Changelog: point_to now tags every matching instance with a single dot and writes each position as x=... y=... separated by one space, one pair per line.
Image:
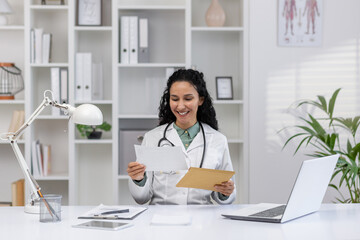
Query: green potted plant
x=332 y=135
x=92 y=132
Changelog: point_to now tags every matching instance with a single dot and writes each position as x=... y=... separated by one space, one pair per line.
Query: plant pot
x=94 y=135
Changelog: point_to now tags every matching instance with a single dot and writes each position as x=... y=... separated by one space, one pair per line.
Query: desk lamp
x=86 y=114
x=4 y=9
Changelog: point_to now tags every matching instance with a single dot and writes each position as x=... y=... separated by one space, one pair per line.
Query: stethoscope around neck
x=167 y=140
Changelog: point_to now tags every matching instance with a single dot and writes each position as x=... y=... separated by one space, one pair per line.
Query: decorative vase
x=215 y=15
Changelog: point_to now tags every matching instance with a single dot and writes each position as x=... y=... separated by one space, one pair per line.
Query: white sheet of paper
x=161 y=158
x=171 y=219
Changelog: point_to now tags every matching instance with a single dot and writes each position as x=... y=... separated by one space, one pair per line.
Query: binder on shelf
x=64 y=85
x=97 y=82
x=79 y=76
x=133 y=40
x=124 y=39
x=32 y=46
x=35 y=169
x=55 y=88
x=87 y=72
x=143 y=41
x=38 y=44
x=47 y=159
x=46 y=47
x=40 y=157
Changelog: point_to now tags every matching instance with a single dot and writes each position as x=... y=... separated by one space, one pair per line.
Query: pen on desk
x=115 y=211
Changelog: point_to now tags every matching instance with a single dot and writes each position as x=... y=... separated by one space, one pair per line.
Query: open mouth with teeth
x=182 y=113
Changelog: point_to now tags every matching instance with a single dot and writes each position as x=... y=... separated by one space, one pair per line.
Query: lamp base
x=32 y=208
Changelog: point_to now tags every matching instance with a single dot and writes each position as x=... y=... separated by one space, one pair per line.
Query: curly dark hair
x=206 y=112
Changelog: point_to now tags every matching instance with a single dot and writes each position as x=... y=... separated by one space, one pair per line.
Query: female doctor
x=187 y=119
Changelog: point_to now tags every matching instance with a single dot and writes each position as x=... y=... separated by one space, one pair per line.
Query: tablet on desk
x=102 y=225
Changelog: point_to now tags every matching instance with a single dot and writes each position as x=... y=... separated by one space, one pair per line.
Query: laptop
x=305 y=198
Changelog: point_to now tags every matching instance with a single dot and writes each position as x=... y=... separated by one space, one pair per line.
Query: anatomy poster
x=300 y=22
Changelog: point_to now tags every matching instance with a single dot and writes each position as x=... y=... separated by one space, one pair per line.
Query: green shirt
x=188 y=135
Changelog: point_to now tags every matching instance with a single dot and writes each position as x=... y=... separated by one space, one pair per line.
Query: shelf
x=93 y=141
x=50 y=117
x=93 y=28
x=228 y=101
x=142 y=116
x=49 y=65
x=49 y=7
x=53 y=177
x=149 y=65
x=95 y=102
x=12 y=102
x=217 y=29
x=14 y=27
x=156 y=7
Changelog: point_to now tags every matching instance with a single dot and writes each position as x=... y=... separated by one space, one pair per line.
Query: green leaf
x=302 y=141
x=349 y=147
x=323 y=103
x=317 y=127
x=332 y=102
x=292 y=137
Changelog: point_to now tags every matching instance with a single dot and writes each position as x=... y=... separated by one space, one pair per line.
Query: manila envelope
x=203 y=178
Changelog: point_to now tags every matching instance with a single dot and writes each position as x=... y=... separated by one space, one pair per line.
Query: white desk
x=333 y=221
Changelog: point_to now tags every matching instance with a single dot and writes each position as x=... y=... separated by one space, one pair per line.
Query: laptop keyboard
x=272 y=212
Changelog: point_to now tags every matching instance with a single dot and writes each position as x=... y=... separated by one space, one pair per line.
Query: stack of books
x=17 y=120
x=18 y=193
x=40 y=159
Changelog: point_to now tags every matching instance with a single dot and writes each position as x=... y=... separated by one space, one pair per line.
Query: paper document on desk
x=161 y=158
x=203 y=178
x=104 y=212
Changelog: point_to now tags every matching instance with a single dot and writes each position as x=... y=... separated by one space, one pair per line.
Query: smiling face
x=184 y=103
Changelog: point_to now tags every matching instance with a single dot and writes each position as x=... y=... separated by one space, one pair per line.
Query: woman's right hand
x=136 y=171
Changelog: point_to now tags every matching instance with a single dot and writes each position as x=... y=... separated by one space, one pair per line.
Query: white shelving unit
x=12 y=48
x=86 y=172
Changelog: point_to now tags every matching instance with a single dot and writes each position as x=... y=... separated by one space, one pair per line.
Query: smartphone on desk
x=103 y=225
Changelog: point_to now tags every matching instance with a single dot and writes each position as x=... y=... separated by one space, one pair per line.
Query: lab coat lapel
x=199 y=140
x=173 y=136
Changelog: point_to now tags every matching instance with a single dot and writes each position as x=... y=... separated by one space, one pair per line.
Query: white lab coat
x=160 y=187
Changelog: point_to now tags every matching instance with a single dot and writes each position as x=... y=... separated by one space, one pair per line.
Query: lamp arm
x=46 y=102
x=34 y=115
x=12 y=137
x=30 y=179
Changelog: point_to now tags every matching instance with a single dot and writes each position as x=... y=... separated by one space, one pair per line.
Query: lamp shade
x=5 y=7
x=87 y=114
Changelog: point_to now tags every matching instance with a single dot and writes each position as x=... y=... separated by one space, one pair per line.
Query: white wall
x=281 y=75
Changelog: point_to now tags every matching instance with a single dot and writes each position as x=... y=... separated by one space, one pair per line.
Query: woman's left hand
x=225 y=188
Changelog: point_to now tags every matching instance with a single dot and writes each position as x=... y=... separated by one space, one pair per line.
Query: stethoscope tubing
x=167 y=140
